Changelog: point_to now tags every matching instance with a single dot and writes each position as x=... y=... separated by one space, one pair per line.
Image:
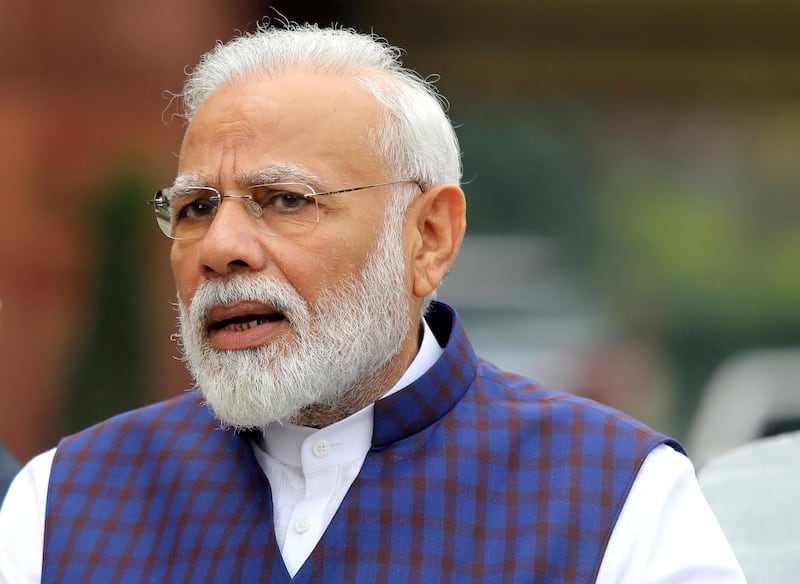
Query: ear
x=439 y=226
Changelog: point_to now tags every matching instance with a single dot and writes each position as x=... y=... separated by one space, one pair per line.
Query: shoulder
x=9 y=467
x=781 y=452
x=155 y=423
x=507 y=399
x=753 y=493
x=762 y=472
x=554 y=411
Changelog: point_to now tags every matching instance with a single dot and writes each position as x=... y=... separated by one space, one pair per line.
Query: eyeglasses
x=286 y=209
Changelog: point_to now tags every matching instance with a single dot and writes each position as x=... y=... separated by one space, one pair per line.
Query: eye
x=194 y=204
x=283 y=199
x=199 y=208
x=287 y=201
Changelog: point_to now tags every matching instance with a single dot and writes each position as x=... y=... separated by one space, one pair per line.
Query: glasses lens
x=191 y=211
x=289 y=209
x=163 y=215
x=285 y=209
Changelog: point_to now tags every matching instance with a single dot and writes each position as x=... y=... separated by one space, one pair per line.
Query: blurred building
x=81 y=97
x=83 y=105
x=527 y=311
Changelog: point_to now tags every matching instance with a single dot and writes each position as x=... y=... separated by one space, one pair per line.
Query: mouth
x=242 y=325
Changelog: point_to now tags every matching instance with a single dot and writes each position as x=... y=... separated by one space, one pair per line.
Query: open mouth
x=244 y=322
x=241 y=317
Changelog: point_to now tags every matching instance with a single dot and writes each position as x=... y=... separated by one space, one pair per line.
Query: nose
x=233 y=241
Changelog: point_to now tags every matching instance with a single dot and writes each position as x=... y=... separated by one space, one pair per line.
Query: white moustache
x=241 y=288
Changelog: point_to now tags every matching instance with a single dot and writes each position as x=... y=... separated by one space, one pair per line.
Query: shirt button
x=302 y=525
x=321 y=449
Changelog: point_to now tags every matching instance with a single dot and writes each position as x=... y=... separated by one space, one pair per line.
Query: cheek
x=184 y=272
x=313 y=270
x=313 y=274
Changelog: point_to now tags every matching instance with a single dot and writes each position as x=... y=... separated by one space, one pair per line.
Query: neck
x=365 y=392
x=352 y=400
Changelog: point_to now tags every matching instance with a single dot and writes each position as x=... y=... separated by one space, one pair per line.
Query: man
x=8 y=468
x=8 y=464
x=340 y=436
x=753 y=491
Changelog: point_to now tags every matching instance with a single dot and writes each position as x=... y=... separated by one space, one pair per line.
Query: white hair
x=416 y=141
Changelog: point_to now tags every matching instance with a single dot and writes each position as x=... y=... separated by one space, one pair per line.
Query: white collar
x=351 y=437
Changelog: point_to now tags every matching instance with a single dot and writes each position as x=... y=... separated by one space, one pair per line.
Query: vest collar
x=431 y=396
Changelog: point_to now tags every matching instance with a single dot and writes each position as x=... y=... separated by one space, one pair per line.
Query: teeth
x=243 y=326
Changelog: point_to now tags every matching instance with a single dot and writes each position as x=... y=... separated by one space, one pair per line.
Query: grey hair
x=416 y=140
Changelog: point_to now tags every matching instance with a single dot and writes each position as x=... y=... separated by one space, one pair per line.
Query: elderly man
x=338 y=435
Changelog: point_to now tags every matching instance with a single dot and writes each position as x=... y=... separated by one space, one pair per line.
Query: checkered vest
x=474 y=475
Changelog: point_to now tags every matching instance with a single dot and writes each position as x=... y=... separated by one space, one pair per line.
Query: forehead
x=316 y=121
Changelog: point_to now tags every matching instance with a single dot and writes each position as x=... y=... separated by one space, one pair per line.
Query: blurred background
x=630 y=167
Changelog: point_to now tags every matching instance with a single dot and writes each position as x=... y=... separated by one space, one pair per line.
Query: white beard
x=339 y=345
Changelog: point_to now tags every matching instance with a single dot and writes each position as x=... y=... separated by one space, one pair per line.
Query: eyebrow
x=278 y=173
x=188 y=180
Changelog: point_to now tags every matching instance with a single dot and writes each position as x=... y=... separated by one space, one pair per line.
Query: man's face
x=315 y=122
x=320 y=125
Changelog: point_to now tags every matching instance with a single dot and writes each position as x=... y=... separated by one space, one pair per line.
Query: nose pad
x=256 y=212
x=257 y=209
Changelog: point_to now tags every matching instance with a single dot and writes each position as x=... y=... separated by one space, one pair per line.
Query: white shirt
x=666 y=531
x=310 y=471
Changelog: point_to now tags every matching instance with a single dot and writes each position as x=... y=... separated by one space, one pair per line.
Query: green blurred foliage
x=706 y=259
x=525 y=171
x=110 y=371
x=686 y=223
x=706 y=274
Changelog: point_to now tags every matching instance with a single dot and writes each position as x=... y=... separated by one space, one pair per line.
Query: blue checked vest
x=474 y=475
